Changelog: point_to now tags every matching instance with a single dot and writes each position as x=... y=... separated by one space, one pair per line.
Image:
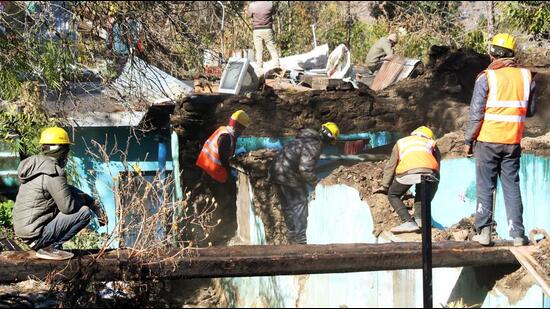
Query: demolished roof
x=124 y=102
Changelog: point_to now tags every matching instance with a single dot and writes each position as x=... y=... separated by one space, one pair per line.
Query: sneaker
x=51 y=253
x=484 y=237
x=520 y=241
x=407 y=227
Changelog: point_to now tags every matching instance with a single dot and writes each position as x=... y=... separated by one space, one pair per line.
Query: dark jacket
x=295 y=164
x=391 y=165
x=479 y=101
x=262 y=14
x=43 y=193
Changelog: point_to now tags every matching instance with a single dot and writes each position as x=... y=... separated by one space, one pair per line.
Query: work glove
x=381 y=190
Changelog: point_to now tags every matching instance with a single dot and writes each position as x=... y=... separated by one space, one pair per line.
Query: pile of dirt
x=515 y=285
x=537 y=145
x=451 y=145
x=461 y=231
x=439 y=99
x=542 y=256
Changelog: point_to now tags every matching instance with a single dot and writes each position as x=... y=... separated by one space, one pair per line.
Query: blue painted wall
x=101 y=177
x=247 y=144
x=456 y=195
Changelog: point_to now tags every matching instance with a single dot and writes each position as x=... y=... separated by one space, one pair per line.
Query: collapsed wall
x=439 y=99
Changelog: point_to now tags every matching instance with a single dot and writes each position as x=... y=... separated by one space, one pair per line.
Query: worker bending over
x=293 y=169
x=220 y=147
x=412 y=157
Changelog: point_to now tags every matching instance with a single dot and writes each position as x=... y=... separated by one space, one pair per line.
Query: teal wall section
x=247 y=144
x=456 y=195
x=99 y=176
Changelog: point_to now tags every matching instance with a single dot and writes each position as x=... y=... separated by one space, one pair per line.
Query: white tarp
x=148 y=83
x=315 y=59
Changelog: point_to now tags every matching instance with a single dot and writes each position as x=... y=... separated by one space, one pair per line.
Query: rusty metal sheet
x=393 y=71
x=388 y=73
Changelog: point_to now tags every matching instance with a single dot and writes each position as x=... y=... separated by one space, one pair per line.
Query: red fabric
x=354 y=147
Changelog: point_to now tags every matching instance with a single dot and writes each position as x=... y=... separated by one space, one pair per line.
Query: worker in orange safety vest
x=412 y=158
x=503 y=96
x=220 y=147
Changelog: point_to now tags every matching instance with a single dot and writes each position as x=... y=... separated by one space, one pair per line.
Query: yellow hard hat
x=423 y=131
x=331 y=130
x=241 y=117
x=54 y=136
x=504 y=40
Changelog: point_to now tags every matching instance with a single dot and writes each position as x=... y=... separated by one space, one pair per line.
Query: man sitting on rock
x=48 y=211
x=412 y=157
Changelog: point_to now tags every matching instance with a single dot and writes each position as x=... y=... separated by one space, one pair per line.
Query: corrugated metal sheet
x=393 y=71
x=387 y=74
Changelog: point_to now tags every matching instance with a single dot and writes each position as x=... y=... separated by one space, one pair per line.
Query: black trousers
x=294 y=205
x=396 y=192
x=503 y=161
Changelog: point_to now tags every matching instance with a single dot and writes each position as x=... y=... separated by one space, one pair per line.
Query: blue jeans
x=492 y=161
x=62 y=228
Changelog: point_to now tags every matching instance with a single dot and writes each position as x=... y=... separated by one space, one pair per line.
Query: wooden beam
x=246 y=261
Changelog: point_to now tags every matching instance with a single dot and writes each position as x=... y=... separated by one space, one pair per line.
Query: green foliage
x=392 y=10
x=86 y=239
x=27 y=124
x=531 y=16
x=49 y=62
x=6 y=217
x=363 y=36
x=477 y=40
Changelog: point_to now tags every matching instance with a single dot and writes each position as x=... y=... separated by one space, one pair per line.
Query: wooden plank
x=524 y=256
x=245 y=261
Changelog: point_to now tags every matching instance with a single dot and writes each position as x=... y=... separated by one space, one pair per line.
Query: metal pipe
x=222 y=37
x=426 y=244
x=314 y=36
x=176 y=161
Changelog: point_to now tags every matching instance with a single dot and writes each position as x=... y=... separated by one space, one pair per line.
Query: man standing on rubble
x=380 y=51
x=262 y=20
x=503 y=96
x=220 y=147
x=48 y=211
x=412 y=157
x=293 y=169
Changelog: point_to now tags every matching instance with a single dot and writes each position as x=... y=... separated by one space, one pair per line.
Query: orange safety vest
x=416 y=152
x=209 y=158
x=507 y=100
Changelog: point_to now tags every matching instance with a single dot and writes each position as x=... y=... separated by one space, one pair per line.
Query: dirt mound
x=439 y=98
x=515 y=285
x=537 y=145
x=542 y=255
